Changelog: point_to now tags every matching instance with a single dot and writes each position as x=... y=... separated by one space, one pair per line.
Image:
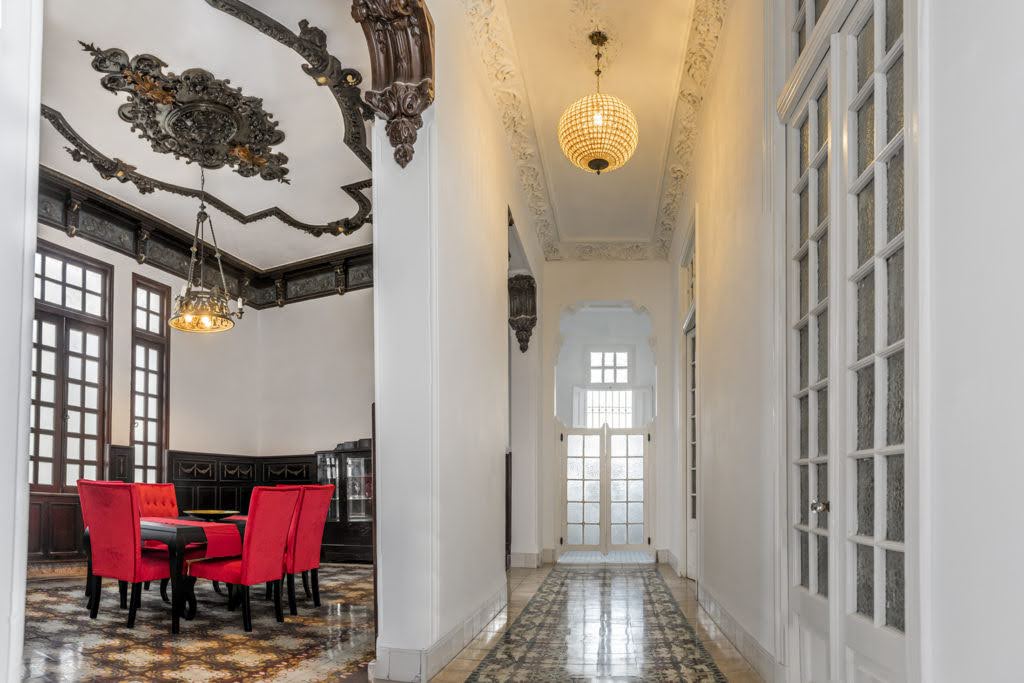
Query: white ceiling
x=648 y=44
x=187 y=34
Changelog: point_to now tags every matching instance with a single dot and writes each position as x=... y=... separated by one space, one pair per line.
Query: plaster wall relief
x=708 y=18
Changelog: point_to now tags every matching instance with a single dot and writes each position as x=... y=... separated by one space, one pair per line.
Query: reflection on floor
x=614 y=557
x=630 y=622
x=63 y=644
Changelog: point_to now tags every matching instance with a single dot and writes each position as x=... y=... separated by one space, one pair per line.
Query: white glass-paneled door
x=605 y=493
x=851 y=354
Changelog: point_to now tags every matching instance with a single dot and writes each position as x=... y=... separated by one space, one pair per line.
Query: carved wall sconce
x=522 y=308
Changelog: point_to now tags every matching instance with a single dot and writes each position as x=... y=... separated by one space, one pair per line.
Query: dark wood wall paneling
x=225 y=482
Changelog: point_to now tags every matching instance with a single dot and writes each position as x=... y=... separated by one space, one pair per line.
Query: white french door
x=604 y=506
x=690 y=458
x=848 y=355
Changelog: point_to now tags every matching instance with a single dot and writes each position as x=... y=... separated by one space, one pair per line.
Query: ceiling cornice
x=708 y=18
x=492 y=30
x=84 y=212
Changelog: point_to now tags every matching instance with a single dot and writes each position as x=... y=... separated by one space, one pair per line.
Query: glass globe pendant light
x=598 y=133
x=200 y=308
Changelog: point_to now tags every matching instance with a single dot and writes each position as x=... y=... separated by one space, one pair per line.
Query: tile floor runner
x=614 y=557
x=608 y=621
x=63 y=644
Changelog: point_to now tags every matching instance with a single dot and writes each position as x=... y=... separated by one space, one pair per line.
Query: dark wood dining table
x=178 y=537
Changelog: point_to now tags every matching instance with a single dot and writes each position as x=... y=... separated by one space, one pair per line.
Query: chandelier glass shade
x=201 y=308
x=598 y=132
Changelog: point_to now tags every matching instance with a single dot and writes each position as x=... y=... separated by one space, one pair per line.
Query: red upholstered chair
x=305 y=538
x=160 y=500
x=266 y=533
x=112 y=510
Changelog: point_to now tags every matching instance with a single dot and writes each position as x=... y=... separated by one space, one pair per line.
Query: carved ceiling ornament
x=195 y=116
x=81 y=150
x=400 y=36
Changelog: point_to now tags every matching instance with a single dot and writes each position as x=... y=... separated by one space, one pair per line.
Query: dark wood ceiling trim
x=83 y=211
x=324 y=68
x=400 y=36
x=124 y=172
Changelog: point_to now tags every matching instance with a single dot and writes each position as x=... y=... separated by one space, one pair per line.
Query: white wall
x=971 y=329
x=643 y=283
x=279 y=383
x=736 y=358
x=316 y=361
x=21 y=29
x=605 y=327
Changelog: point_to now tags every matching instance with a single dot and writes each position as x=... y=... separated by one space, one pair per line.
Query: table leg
x=176 y=557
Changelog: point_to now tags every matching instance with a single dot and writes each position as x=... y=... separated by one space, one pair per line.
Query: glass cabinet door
x=358 y=487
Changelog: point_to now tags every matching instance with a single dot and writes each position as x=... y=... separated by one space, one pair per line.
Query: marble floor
x=600 y=623
x=330 y=643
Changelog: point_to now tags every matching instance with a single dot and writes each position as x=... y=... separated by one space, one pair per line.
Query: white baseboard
x=547 y=556
x=666 y=556
x=763 y=662
x=396 y=664
x=527 y=560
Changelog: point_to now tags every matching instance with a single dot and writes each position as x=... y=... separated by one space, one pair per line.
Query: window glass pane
x=865 y=497
x=595 y=359
x=92 y=345
x=823 y=422
x=591 y=534
x=866 y=315
x=865 y=134
x=894 y=407
x=609 y=359
x=636 y=534
x=894 y=590
x=93 y=281
x=894 y=99
x=609 y=376
x=823 y=125
x=823 y=345
x=140 y=297
x=805 y=144
x=893 y=22
x=803 y=351
x=575 y=534
x=823 y=267
x=822 y=192
x=803 y=280
x=618 y=534
x=822 y=543
x=805 y=494
x=54 y=268
x=140 y=318
x=804 y=216
x=92 y=304
x=865 y=580
x=622 y=376
x=865 y=52
x=154 y=302
x=45 y=476
x=52 y=292
x=73 y=298
x=804 y=436
x=894 y=193
x=866 y=408
x=805 y=560
x=595 y=376
x=821 y=476
x=621 y=359
x=894 y=496
x=865 y=224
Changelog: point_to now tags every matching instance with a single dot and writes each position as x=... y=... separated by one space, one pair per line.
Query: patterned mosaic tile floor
x=325 y=644
x=600 y=623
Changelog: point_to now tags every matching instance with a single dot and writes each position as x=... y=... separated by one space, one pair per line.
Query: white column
x=525 y=378
x=20 y=62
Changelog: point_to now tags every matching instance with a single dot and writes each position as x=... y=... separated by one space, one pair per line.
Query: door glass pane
x=865 y=577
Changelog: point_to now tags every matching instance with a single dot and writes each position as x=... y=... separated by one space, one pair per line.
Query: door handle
x=818 y=507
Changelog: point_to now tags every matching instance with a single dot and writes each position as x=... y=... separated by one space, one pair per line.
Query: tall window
x=68 y=417
x=150 y=360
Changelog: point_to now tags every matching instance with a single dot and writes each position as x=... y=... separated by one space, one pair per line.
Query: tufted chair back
x=112 y=508
x=157 y=500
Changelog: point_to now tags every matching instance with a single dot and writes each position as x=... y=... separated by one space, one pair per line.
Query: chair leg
x=134 y=606
x=122 y=586
x=291 y=595
x=270 y=591
x=88 y=579
x=232 y=597
x=246 y=609
x=97 y=586
x=278 y=612
x=163 y=590
x=146 y=586
x=305 y=584
x=216 y=588
x=314 y=575
x=190 y=599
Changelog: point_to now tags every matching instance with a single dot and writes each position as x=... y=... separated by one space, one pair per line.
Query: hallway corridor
x=600 y=622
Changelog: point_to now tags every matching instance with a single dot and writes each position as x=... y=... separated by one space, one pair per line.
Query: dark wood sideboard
x=348 y=534
x=224 y=482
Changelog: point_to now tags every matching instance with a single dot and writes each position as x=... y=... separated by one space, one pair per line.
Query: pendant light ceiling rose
x=598 y=132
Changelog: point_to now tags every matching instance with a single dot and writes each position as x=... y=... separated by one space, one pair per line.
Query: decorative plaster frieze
x=708 y=18
x=493 y=34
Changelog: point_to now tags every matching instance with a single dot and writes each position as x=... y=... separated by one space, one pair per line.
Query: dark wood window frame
x=161 y=342
x=53 y=311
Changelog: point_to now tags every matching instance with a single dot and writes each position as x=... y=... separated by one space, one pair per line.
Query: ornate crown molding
x=82 y=211
x=400 y=36
x=324 y=68
x=490 y=26
x=708 y=18
x=195 y=116
x=81 y=150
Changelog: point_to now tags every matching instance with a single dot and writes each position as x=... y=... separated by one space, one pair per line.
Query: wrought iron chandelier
x=200 y=308
x=598 y=133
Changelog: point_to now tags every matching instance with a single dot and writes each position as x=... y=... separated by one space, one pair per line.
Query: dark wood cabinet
x=224 y=482
x=348 y=534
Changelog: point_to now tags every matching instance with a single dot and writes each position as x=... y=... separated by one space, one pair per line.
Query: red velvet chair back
x=157 y=500
x=112 y=508
x=266 y=532
x=307 y=532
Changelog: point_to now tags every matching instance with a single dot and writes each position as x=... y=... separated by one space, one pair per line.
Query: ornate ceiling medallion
x=195 y=116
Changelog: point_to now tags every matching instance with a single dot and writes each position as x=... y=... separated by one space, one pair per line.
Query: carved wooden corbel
x=74 y=208
x=400 y=36
x=141 y=242
x=340 y=279
x=279 y=289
